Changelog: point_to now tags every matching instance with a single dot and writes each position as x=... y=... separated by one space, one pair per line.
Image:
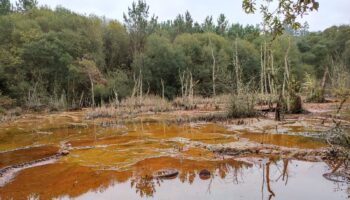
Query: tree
x=136 y=24
x=222 y=25
x=88 y=67
x=116 y=43
x=5 y=7
x=25 y=5
x=179 y=24
x=188 y=22
x=160 y=60
x=286 y=13
x=208 y=25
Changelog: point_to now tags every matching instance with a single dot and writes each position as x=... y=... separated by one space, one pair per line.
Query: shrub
x=242 y=105
x=6 y=102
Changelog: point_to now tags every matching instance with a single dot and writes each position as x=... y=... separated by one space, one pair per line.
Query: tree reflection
x=145 y=186
x=145 y=183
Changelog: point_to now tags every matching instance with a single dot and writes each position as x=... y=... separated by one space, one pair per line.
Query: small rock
x=64 y=152
x=166 y=174
x=204 y=174
x=265 y=151
x=275 y=152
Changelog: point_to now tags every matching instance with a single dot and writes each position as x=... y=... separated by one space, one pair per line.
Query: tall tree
x=5 y=7
x=208 y=25
x=222 y=25
x=136 y=22
x=116 y=45
x=25 y=5
x=179 y=24
x=188 y=22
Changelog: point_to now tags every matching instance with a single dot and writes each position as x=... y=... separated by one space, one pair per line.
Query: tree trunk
x=272 y=74
x=262 y=71
x=238 y=69
x=286 y=76
x=279 y=108
x=265 y=65
x=213 y=70
x=140 y=89
x=92 y=91
x=162 y=82
x=323 y=85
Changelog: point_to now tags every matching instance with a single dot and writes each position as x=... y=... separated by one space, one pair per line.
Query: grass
x=232 y=106
x=131 y=106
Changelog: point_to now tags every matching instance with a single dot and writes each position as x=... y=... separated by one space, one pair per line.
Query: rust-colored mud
x=26 y=155
x=285 y=140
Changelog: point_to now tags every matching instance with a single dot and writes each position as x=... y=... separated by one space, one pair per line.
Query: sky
x=334 y=12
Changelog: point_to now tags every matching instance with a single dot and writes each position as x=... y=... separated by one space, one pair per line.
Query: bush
x=242 y=105
x=6 y=102
x=315 y=97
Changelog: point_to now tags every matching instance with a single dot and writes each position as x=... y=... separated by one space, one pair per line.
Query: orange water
x=119 y=161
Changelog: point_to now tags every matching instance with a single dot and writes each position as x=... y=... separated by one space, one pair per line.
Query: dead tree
x=213 y=68
x=237 y=68
x=262 y=70
x=286 y=75
x=323 y=84
x=187 y=86
x=162 y=82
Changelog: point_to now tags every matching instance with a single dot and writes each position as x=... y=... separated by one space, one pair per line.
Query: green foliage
x=160 y=61
x=285 y=14
x=136 y=22
x=242 y=105
x=5 y=7
x=116 y=43
x=26 y=5
x=63 y=59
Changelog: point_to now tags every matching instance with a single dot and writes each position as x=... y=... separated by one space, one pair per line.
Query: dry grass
x=234 y=106
x=202 y=102
x=149 y=103
x=131 y=106
x=10 y=115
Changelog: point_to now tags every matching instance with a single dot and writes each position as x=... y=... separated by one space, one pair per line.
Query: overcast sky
x=334 y=12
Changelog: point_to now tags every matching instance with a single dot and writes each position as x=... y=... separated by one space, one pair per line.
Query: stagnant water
x=112 y=160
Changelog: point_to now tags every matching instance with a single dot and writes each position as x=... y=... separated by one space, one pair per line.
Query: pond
x=109 y=159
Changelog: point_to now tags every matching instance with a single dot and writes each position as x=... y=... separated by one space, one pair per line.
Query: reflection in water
x=284 y=179
x=240 y=180
x=120 y=162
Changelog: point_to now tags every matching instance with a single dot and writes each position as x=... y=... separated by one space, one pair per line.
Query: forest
x=55 y=58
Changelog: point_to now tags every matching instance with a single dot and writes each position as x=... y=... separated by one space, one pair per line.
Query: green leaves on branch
x=277 y=14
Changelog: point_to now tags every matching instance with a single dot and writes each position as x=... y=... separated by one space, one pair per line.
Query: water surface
x=109 y=159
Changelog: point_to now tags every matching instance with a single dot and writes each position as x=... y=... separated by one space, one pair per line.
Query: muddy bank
x=25 y=155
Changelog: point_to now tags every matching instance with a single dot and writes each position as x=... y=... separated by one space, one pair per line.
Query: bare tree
x=237 y=68
x=214 y=67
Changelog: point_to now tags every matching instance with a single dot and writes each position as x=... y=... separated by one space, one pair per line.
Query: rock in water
x=64 y=152
x=204 y=174
x=166 y=174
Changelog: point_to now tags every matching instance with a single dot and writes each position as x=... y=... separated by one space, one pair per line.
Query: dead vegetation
x=130 y=106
